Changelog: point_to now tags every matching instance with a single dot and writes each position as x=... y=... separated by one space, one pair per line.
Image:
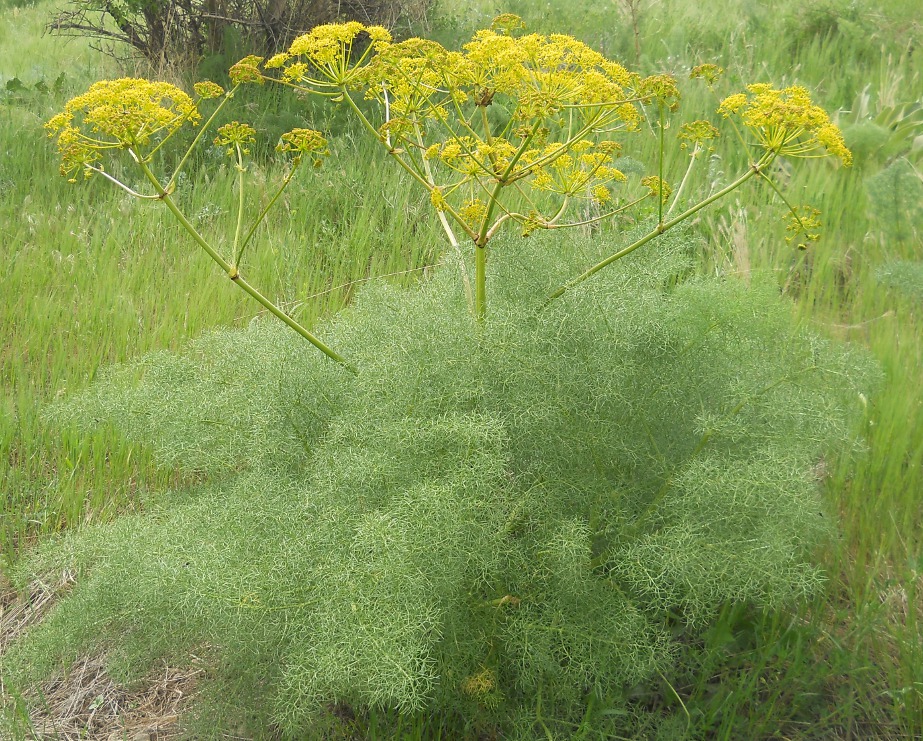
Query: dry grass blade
x=85 y=702
x=20 y=611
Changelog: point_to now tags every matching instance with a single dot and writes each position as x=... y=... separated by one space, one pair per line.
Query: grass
x=90 y=278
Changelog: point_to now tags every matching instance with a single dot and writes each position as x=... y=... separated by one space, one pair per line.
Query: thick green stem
x=235 y=276
x=480 y=281
x=484 y=233
x=661 y=228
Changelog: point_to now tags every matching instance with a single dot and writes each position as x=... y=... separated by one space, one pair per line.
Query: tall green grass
x=89 y=278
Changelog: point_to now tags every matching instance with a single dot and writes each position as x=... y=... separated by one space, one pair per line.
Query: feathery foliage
x=497 y=520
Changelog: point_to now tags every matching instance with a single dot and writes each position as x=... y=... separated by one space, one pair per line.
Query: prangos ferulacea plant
x=504 y=519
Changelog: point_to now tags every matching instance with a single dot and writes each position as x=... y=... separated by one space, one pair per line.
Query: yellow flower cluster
x=472 y=212
x=657 y=187
x=803 y=225
x=302 y=140
x=322 y=57
x=299 y=142
x=117 y=114
x=247 y=70
x=537 y=76
x=659 y=88
x=396 y=128
x=542 y=75
x=786 y=122
x=437 y=198
x=473 y=156
x=507 y=23
x=480 y=684
x=208 y=89
x=483 y=688
x=708 y=72
x=412 y=76
x=235 y=135
x=581 y=170
x=696 y=132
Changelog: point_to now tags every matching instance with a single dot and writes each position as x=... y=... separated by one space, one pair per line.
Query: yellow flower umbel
x=234 y=136
x=208 y=89
x=785 y=122
x=138 y=117
x=657 y=187
x=128 y=113
x=803 y=226
x=696 y=133
x=322 y=59
x=299 y=142
x=711 y=73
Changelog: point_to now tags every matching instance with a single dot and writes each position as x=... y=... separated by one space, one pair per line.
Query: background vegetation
x=90 y=278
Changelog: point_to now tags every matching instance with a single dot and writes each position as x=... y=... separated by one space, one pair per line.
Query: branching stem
x=234 y=274
x=754 y=169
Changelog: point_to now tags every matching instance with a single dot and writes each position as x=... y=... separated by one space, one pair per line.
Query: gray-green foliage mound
x=486 y=520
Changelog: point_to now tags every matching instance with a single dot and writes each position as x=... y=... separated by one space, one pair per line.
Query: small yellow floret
x=601 y=194
x=278 y=60
x=708 y=72
x=234 y=135
x=208 y=89
x=247 y=70
x=657 y=187
x=437 y=199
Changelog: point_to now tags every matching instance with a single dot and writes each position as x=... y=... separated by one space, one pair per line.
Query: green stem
x=259 y=220
x=595 y=219
x=485 y=122
x=480 y=281
x=785 y=200
x=234 y=274
x=480 y=242
x=119 y=183
x=682 y=185
x=660 y=166
x=661 y=228
x=179 y=168
x=240 y=205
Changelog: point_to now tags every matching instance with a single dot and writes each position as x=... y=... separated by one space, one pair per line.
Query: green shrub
x=509 y=522
x=895 y=196
x=903 y=276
